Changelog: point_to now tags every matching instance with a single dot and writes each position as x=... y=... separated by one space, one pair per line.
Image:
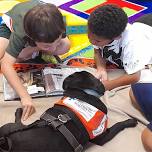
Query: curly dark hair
x=107 y=21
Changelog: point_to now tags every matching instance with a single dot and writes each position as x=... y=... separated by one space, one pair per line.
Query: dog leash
x=58 y=124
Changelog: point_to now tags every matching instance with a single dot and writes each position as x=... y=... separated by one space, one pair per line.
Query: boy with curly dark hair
x=129 y=47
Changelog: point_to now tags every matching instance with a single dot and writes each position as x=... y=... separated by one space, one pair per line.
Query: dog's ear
x=83 y=80
x=18 y=115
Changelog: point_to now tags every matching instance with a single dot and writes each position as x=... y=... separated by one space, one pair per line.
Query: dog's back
x=60 y=128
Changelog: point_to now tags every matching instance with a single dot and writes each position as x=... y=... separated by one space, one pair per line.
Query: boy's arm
x=12 y=77
x=125 y=79
x=63 y=47
x=4 y=43
x=27 y=53
x=100 y=65
x=100 y=62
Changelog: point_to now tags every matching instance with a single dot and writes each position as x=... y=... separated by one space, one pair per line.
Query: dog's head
x=83 y=80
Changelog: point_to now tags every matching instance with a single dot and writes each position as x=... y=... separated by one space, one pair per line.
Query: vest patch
x=93 y=119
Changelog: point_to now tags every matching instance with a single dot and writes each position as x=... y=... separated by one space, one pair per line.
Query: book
x=42 y=82
x=73 y=62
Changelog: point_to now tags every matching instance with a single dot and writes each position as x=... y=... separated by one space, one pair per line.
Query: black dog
x=79 y=117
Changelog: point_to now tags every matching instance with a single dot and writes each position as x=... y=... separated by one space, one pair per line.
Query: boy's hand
x=28 y=108
x=101 y=75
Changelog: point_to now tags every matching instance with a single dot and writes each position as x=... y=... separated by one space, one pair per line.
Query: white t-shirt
x=133 y=50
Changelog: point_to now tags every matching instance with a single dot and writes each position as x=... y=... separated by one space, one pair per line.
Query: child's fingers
x=24 y=112
x=104 y=79
x=32 y=110
x=28 y=111
x=97 y=75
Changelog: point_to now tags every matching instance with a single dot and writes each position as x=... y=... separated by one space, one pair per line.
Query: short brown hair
x=44 y=23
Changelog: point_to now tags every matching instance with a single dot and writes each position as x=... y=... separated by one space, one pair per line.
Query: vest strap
x=58 y=124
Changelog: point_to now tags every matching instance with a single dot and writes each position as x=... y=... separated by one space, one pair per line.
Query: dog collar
x=92 y=92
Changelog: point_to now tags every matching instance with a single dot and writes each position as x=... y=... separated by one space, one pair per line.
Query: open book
x=42 y=82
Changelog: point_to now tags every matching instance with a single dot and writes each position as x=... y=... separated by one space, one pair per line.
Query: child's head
x=105 y=24
x=44 y=25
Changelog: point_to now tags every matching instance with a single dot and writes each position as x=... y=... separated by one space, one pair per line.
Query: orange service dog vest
x=93 y=119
